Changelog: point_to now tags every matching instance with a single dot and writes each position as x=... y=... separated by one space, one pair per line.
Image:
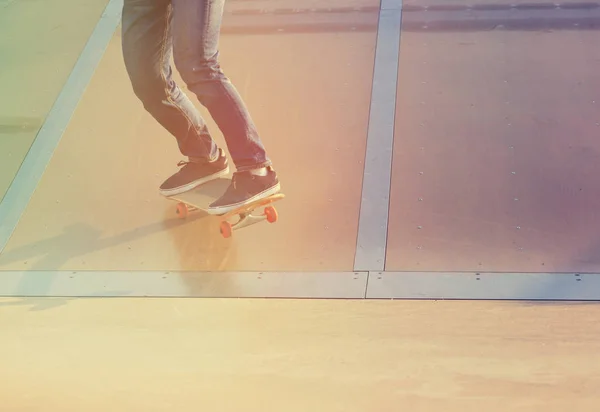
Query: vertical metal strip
x=374 y=208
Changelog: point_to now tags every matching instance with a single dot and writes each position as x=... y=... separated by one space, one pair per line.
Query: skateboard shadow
x=197 y=239
x=201 y=248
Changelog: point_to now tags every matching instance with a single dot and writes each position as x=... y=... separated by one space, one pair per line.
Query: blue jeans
x=189 y=29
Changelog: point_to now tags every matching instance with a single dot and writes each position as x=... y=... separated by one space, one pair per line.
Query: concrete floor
x=273 y=355
x=491 y=193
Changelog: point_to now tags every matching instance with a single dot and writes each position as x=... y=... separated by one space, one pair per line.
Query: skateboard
x=202 y=196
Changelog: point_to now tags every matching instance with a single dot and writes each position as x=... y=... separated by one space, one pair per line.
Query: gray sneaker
x=245 y=188
x=193 y=174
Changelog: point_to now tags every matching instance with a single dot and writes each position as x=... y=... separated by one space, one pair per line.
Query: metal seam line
x=374 y=208
x=25 y=182
x=485 y=286
x=136 y=283
x=306 y=285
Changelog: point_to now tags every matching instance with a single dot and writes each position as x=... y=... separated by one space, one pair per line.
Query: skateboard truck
x=246 y=219
x=244 y=214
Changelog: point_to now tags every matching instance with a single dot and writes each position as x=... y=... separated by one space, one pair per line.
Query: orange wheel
x=182 y=210
x=271 y=214
x=226 y=229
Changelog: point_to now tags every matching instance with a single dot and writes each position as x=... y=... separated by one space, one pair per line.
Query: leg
x=196 y=28
x=147 y=50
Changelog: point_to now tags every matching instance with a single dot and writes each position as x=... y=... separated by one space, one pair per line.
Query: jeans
x=153 y=30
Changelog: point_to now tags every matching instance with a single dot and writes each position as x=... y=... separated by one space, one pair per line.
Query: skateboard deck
x=202 y=196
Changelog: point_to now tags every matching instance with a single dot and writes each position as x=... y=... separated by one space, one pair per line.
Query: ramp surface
x=39 y=44
x=97 y=205
x=496 y=147
x=469 y=155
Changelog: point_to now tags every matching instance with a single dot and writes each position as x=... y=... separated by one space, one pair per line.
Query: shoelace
x=185 y=163
x=240 y=175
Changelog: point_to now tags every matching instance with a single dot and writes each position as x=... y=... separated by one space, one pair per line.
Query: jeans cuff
x=245 y=168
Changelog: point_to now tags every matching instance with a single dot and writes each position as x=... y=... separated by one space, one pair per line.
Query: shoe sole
x=221 y=210
x=194 y=184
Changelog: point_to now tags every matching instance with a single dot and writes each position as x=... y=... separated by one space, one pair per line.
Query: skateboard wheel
x=225 y=229
x=271 y=214
x=182 y=210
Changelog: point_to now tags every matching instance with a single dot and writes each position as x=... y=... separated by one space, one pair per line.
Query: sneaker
x=194 y=174
x=245 y=188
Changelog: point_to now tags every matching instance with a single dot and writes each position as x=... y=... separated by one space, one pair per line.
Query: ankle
x=263 y=171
